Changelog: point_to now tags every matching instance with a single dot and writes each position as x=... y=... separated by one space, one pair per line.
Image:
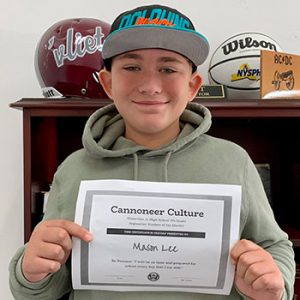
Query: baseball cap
x=155 y=26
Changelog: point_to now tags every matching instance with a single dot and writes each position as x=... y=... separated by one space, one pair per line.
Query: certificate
x=152 y=236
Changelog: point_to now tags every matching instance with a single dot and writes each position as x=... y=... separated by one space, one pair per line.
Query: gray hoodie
x=193 y=157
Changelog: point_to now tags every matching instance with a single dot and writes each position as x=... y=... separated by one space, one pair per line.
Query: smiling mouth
x=150 y=102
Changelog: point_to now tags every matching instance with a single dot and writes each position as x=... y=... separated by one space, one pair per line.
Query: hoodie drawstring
x=135 y=166
x=165 y=167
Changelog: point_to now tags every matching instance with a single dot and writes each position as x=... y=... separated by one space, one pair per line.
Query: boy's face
x=151 y=89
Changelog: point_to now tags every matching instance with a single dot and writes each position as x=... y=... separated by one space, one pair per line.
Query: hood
x=103 y=134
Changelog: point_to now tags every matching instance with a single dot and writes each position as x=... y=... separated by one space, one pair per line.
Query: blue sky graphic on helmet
x=76 y=47
x=156 y=16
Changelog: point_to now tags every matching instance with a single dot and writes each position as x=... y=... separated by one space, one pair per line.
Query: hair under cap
x=155 y=26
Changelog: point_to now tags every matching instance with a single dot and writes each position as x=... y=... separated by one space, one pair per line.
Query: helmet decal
x=96 y=76
x=87 y=44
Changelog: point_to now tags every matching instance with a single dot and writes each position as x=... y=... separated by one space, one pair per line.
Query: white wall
x=22 y=23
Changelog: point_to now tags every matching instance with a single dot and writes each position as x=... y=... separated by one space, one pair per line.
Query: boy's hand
x=257 y=275
x=49 y=247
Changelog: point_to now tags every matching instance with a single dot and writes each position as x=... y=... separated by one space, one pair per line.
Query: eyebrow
x=139 y=57
x=169 y=59
x=129 y=55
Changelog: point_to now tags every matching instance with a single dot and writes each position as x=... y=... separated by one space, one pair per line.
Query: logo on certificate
x=153 y=276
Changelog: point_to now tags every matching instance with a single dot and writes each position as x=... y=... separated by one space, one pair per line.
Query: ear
x=106 y=82
x=194 y=84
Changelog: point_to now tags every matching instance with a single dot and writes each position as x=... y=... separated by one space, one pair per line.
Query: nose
x=150 y=83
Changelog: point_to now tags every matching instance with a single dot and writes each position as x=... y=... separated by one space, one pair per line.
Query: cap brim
x=188 y=43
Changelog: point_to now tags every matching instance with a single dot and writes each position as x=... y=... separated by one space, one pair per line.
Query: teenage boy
x=153 y=132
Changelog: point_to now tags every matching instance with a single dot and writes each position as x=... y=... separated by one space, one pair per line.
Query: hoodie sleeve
x=261 y=227
x=51 y=287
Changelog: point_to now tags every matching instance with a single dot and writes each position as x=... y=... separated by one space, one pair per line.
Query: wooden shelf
x=220 y=108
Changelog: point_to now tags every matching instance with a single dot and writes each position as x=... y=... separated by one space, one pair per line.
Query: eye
x=132 y=68
x=167 y=70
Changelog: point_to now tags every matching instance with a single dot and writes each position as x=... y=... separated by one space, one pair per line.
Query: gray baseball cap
x=155 y=26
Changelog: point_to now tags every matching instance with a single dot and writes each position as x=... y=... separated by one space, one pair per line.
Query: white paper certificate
x=156 y=236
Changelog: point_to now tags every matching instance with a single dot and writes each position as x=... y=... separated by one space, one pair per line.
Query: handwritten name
x=154 y=248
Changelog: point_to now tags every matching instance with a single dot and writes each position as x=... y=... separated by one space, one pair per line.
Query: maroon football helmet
x=68 y=58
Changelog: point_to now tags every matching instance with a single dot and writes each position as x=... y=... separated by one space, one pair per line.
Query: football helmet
x=68 y=58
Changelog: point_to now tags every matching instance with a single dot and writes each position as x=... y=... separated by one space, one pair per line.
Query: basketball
x=236 y=64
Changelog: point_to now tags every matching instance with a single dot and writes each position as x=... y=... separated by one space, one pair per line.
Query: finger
x=241 y=247
x=40 y=267
x=59 y=236
x=255 y=271
x=248 y=261
x=269 y=281
x=52 y=252
x=72 y=228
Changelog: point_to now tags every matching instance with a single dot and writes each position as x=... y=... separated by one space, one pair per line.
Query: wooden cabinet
x=268 y=130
